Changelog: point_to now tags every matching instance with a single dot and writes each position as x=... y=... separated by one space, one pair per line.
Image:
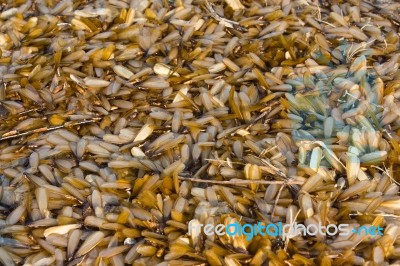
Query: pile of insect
x=199 y=132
